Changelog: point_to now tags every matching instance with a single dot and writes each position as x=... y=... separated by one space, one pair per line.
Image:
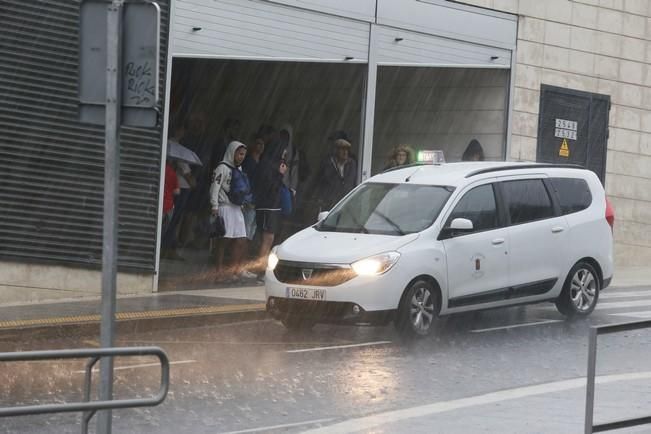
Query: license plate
x=306 y=293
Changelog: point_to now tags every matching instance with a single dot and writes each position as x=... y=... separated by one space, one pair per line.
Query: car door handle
x=498 y=241
x=557 y=229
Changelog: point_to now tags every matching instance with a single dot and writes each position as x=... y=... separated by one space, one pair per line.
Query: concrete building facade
x=599 y=46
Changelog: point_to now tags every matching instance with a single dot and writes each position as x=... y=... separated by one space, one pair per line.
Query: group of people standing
x=254 y=192
x=254 y=189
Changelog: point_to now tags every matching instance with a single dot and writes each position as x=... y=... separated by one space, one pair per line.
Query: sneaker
x=245 y=274
x=233 y=278
x=223 y=278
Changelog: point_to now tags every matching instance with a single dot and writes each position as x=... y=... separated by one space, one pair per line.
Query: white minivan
x=423 y=241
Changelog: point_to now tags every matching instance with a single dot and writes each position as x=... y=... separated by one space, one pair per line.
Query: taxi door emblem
x=306 y=273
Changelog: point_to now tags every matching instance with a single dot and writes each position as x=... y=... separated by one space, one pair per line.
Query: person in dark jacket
x=267 y=192
x=337 y=176
x=474 y=152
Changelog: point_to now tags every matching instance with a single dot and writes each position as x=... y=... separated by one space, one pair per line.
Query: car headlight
x=375 y=265
x=272 y=261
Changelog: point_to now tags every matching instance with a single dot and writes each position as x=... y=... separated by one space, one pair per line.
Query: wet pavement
x=131 y=304
x=516 y=370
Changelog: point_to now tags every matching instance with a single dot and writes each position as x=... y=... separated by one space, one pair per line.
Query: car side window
x=478 y=206
x=573 y=194
x=527 y=200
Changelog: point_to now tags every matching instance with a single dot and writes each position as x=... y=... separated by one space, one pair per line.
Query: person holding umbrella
x=170 y=190
x=179 y=159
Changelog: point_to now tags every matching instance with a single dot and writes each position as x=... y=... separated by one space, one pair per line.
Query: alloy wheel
x=422 y=309
x=583 y=289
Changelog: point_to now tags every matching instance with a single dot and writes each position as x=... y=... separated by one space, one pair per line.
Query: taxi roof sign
x=431 y=156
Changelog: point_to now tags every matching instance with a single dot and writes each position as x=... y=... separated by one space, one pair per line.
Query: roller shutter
x=256 y=29
x=51 y=193
x=402 y=47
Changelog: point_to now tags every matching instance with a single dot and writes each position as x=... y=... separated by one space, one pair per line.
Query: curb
x=130 y=322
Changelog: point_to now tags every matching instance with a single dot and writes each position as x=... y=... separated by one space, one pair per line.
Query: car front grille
x=303 y=273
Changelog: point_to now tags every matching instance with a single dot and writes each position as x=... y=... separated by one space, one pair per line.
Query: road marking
x=625 y=294
x=143 y=365
x=211 y=342
x=621 y=304
x=642 y=314
x=549 y=321
x=287 y=425
x=382 y=419
x=336 y=347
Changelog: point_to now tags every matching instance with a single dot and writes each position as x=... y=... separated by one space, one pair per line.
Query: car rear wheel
x=580 y=292
x=418 y=310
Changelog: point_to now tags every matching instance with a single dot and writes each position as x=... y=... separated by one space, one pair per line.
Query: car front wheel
x=418 y=310
x=580 y=292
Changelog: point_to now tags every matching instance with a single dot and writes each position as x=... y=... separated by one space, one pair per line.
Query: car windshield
x=387 y=209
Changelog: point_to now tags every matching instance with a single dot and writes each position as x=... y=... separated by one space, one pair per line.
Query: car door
x=537 y=236
x=477 y=261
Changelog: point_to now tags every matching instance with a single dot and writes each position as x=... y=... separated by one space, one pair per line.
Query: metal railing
x=592 y=365
x=89 y=408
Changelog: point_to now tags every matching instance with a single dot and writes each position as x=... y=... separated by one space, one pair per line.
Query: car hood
x=310 y=245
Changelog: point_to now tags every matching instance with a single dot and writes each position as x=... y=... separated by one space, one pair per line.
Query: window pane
x=420 y=108
x=528 y=200
x=478 y=206
x=573 y=194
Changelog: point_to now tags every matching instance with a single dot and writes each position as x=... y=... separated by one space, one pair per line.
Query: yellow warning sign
x=565 y=149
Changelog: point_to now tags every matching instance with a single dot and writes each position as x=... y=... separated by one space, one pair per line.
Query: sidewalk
x=550 y=408
x=151 y=311
x=632 y=276
x=193 y=307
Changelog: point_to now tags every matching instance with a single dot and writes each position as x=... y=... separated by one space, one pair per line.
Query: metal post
x=589 y=390
x=369 y=106
x=111 y=190
x=510 y=102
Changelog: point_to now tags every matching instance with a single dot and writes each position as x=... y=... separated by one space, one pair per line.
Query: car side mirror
x=458 y=226
x=322 y=215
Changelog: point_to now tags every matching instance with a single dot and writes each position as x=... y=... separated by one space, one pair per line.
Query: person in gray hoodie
x=235 y=228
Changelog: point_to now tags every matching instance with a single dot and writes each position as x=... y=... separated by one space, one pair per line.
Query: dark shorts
x=268 y=221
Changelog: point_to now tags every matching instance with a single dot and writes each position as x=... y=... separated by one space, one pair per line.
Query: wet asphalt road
x=257 y=377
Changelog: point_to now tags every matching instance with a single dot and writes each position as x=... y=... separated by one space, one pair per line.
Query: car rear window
x=573 y=194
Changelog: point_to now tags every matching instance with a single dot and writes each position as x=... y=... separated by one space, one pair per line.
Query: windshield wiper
x=391 y=222
x=335 y=228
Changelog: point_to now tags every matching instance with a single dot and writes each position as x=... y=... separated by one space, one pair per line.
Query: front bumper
x=371 y=293
x=331 y=312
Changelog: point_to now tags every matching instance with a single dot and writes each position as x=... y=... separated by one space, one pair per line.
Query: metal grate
x=303 y=273
x=52 y=165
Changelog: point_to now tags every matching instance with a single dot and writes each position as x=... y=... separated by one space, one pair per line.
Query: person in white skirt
x=234 y=238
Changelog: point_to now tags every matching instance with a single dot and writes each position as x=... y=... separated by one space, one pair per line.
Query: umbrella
x=177 y=151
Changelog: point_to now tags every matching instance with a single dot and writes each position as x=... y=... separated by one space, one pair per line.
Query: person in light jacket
x=235 y=236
